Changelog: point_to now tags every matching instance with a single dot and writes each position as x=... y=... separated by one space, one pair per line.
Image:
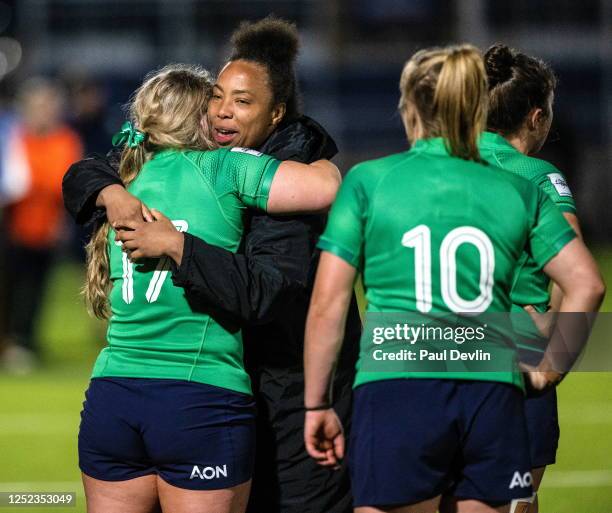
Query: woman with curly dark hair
x=266 y=286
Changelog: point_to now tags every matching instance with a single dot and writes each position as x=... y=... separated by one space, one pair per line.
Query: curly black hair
x=273 y=43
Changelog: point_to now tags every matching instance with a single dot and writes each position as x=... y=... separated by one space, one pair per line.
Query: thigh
x=403 y=441
x=137 y=495
x=454 y=505
x=538 y=475
x=495 y=464
x=531 y=505
x=428 y=506
x=180 y=500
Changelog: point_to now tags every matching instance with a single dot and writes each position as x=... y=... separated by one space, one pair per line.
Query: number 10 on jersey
x=159 y=275
x=419 y=238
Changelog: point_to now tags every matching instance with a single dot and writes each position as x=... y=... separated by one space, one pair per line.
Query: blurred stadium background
x=352 y=53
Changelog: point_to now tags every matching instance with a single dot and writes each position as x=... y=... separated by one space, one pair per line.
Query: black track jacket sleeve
x=84 y=180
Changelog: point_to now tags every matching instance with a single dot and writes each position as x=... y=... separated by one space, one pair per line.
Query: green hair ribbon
x=128 y=136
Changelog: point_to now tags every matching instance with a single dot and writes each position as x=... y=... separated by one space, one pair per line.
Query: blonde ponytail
x=461 y=101
x=448 y=89
x=132 y=160
x=168 y=109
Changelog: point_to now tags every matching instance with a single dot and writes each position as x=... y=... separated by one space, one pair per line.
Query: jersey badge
x=560 y=184
x=248 y=151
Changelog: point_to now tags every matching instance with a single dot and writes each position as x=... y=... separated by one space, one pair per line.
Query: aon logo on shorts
x=523 y=481
x=209 y=472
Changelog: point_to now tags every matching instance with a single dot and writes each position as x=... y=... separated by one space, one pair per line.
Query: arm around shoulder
x=298 y=187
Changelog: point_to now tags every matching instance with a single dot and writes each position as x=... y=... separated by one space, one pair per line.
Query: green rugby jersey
x=434 y=233
x=530 y=286
x=153 y=332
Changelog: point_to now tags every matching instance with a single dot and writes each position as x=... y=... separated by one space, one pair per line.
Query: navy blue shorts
x=414 y=439
x=542 y=427
x=194 y=436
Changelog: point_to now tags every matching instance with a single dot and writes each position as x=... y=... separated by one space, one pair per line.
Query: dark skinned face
x=241 y=111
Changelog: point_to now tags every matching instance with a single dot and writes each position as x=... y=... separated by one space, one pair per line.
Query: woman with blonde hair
x=168 y=419
x=436 y=231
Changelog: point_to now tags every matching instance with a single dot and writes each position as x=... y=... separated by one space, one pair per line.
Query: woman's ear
x=278 y=113
x=535 y=118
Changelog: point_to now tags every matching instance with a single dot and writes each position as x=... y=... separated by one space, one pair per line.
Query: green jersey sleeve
x=251 y=175
x=550 y=232
x=553 y=183
x=344 y=233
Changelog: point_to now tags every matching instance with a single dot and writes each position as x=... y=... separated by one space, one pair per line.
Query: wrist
x=106 y=194
x=175 y=250
x=317 y=403
x=318 y=407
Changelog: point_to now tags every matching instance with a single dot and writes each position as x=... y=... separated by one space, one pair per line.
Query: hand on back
x=153 y=239
x=122 y=207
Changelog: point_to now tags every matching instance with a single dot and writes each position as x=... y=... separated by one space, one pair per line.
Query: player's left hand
x=324 y=437
x=151 y=240
x=540 y=379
